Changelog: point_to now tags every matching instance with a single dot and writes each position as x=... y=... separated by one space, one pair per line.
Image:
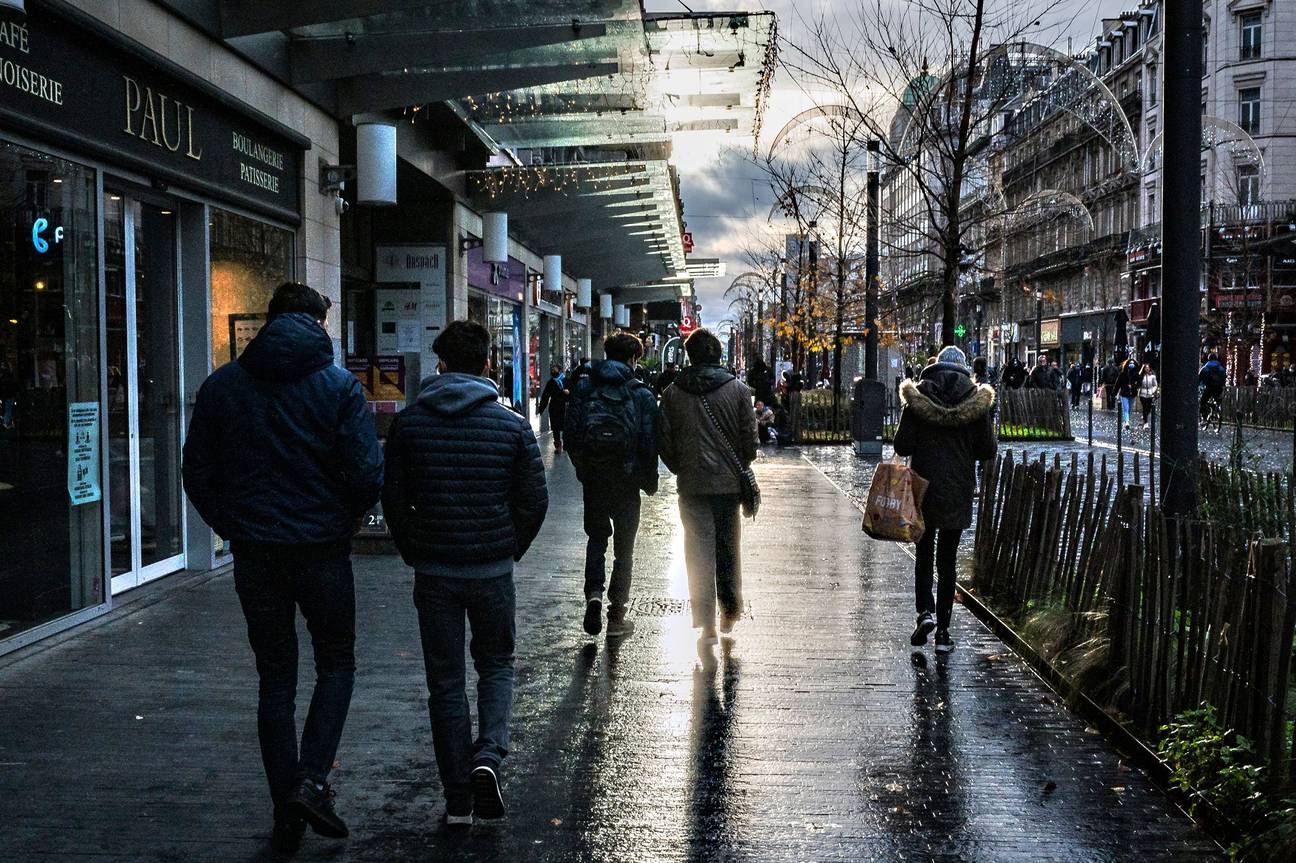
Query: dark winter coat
x=465 y=493
x=554 y=399
x=1041 y=378
x=610 y=373
x=691 y=445
x=1014 y=375
x=1212 y=376
x=1127 y=381
x=946 y=426
x=281 y=447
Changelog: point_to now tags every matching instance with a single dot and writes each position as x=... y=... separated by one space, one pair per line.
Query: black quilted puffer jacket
x=465 y=484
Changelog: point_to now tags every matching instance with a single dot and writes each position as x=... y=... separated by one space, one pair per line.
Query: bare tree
x=928 y=79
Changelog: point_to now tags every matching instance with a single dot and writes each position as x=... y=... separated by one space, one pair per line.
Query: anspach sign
x=59 y=80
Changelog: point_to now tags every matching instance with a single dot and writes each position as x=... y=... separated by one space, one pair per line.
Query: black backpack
x=611 y=427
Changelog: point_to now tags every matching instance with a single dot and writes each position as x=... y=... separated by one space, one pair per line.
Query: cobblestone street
x=818 y=735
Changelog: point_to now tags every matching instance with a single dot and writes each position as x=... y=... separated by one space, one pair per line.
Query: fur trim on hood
x=967 y=411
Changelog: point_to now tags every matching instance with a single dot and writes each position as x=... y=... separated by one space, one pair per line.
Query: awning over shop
x=581 y=102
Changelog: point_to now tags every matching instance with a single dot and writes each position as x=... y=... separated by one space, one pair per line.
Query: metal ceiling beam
x=368 y=93
x=246 y=17
x=326 y=59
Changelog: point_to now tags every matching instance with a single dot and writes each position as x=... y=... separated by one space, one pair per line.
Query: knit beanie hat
x=953 y=356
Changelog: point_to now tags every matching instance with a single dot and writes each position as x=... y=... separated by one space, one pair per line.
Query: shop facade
x=146 y=216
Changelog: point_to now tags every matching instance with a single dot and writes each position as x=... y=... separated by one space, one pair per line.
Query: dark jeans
x=442 y=605
x=1146 y=404
x=937 y=549
x=272 y=585
x=611 y=512
x=712 y=530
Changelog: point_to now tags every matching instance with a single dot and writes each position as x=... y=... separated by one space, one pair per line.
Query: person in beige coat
x=698 y=453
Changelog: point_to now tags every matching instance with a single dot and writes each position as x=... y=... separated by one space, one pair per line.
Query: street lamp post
x=1181 y=260
x=872 y=262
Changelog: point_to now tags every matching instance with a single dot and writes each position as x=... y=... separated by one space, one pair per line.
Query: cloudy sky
x=726 y=200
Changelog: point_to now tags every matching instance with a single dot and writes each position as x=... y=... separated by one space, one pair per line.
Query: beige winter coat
x=689 y=442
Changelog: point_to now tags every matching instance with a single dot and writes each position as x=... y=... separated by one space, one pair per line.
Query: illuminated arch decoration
x=1042 y=79
x=808 y=117
x=1048 y=205
x=1220 y=137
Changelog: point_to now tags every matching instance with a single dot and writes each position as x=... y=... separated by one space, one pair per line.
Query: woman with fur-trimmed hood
x=946 y=427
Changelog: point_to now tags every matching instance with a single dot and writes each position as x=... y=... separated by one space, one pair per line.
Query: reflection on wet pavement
x=817 y=734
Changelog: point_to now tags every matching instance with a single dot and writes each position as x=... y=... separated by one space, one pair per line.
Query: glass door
x=144 y=405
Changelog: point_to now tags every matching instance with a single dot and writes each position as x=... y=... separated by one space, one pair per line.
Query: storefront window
x=51 y=500
x=249 y=259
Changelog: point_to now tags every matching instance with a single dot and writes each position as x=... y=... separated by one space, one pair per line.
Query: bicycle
x=1212 y=413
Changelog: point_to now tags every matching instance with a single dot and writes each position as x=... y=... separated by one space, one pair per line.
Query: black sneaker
x=944 y=644
x=288 y=833
x=314 y=803
x=594 y=616
x=926 y=623
x=488 y=801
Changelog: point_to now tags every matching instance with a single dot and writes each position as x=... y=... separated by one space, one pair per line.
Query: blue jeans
x=1127 y=407
x=272 y=585
x=488 y=604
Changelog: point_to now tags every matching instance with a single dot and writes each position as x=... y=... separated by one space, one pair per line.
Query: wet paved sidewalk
x=818 y=735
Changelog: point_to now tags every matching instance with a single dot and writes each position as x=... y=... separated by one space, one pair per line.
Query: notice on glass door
x=83 y=453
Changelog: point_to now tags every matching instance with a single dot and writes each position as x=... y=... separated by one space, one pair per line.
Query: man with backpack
x=612 y=440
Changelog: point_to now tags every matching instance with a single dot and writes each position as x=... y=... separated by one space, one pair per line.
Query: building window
x=1251 y=32
x=1249 y=110
x=51 y=533
x=1248 y=177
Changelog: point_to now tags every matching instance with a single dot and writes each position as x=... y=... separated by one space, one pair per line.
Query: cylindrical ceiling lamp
x=605 y=306
x=376 y=164
x=584 y=293
x=623 y=316
x=495 y=238
x=553 y=273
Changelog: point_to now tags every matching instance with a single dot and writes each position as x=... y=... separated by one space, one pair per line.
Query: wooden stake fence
x=1178 y=612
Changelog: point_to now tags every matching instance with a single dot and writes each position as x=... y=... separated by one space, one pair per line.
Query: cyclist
x=1212 y=379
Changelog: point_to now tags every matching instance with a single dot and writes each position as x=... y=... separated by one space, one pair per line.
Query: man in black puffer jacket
x=465 y=498
x=282 y=460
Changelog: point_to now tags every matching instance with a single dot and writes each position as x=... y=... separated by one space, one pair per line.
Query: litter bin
x=868 y=409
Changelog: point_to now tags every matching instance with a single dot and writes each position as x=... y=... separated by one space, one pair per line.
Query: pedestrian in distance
x=946 y=429
x=765 y=420
x=1212 y=378
x=1110 y=374
x=1148 y=390
x=465 y=498
x=666 y=378
x=1075 y=380
x=708 y=435
x=1127 y=386
x=1014 y=376
x=612 y=438
x=554 y=400
x=282 y=460
x=1041 y=377
x=981 y=372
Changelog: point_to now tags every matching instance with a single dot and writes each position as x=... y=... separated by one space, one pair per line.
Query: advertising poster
x=83 y=453
x=243 y=329
x=424 y=267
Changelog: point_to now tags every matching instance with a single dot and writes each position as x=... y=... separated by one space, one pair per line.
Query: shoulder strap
x=730 y=449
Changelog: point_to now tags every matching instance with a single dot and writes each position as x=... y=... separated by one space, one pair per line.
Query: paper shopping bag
x=894 y=508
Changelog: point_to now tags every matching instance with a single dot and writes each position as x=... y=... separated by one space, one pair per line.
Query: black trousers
x=271 y=586
x=938 y=550
x=611 y=512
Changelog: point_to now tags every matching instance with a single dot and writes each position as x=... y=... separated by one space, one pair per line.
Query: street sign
x=688 y=242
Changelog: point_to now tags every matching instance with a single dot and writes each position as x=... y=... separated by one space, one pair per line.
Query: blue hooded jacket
x=465 y=494
x=281 y=447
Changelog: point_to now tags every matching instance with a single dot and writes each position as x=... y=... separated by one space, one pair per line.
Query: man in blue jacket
x=282 y=460
x=612 y=439
x=465 y=498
